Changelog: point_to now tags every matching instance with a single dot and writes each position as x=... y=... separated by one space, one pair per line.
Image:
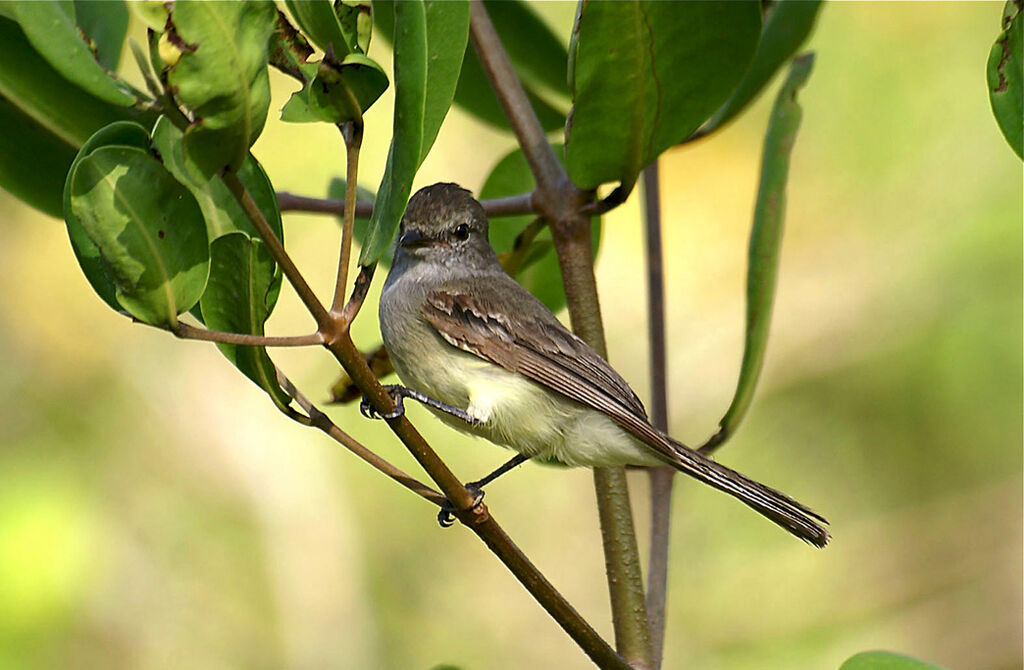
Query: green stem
x=661 y=477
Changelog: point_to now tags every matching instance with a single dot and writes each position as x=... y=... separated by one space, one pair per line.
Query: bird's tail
x=798 y=519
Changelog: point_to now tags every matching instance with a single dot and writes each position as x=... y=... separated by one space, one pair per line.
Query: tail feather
x=795 y=517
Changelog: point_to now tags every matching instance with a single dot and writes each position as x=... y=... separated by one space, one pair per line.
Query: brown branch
x=561 y=202
x=661 y=477
x=513 y=205
x=276 y=249
x=322 y=422
x=520 y=114
x=187 y=332
x=289 y=202
x=335 y=328
x=352 y=132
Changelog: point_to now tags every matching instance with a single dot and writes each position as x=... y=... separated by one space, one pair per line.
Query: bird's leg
x=399 y=393
x=513 y=462
x=446 y=516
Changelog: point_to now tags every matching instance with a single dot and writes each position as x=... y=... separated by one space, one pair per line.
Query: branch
x=513 y=205
x=187 y=332
x=660 y=477
x=276 y=249
x=558 y=200
x=352 y=132
x=335 y=328
x=321 y=421
x=532 y=138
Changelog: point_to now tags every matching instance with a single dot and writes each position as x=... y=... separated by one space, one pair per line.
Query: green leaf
x=151 y=13
x=222 y=78
x=45 y=120
x=885 y=660
x=52 y=30
x=105 y=24
x=1006 y=76
x=239 y=296
x=788 y=26
x=148 y=228
x=766 y=238
x=539 y=273
x=95 y=269
x=519 y=28
x=221 y=212
x=339 y=92
x=430 y=40
x=356 y=20
x=318 y=20
x=645 y=74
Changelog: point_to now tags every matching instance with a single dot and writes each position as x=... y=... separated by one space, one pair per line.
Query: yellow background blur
x=157 y=512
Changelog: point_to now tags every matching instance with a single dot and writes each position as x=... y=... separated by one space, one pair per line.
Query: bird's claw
x=367 y=409
x=446 y=517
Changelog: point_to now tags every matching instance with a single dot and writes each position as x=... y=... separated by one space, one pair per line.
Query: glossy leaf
x=885 y=660
x=221 y=212
x=786 y=28
x=95 y=269
x=518 y=28
x=222 y=78
x=645 y=74
x=52 y=30
x=105 y=24
x=538 y=272
x=766 y=238
x=1006 y=76
x=339 y=92
x=321 y=24
x=148 y=229
x=46 y=120
x=430 y=40
x=239 y=296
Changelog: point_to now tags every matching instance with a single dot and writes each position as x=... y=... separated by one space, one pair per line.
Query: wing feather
x=543 y=350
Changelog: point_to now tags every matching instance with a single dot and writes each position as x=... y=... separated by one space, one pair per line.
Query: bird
x=490 y=359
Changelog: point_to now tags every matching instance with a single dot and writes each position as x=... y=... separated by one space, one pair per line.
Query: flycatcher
x=491 y=359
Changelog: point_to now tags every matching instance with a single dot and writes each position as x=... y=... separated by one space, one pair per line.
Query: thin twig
x=276 y=249
x=661 y=477
x=289 y=202
x=187 y=332
x=513 y=205
x=353 y=134
x=323 y=422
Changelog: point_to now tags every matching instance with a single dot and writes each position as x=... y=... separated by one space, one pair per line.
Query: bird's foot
x=446 y=517
x=397 y=393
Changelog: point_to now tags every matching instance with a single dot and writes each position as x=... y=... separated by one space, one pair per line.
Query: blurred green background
x=157 y=512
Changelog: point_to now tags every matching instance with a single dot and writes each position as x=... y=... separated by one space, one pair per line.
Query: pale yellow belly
x=522 y=415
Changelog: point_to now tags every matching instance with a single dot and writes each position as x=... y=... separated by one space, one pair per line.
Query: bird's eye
x=462 y=231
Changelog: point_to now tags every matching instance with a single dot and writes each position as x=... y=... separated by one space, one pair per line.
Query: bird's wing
x=533 y=343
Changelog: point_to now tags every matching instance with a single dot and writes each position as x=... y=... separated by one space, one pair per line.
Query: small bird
x=490 y=359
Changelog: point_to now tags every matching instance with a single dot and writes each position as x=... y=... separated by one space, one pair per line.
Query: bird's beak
x=412 y=238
